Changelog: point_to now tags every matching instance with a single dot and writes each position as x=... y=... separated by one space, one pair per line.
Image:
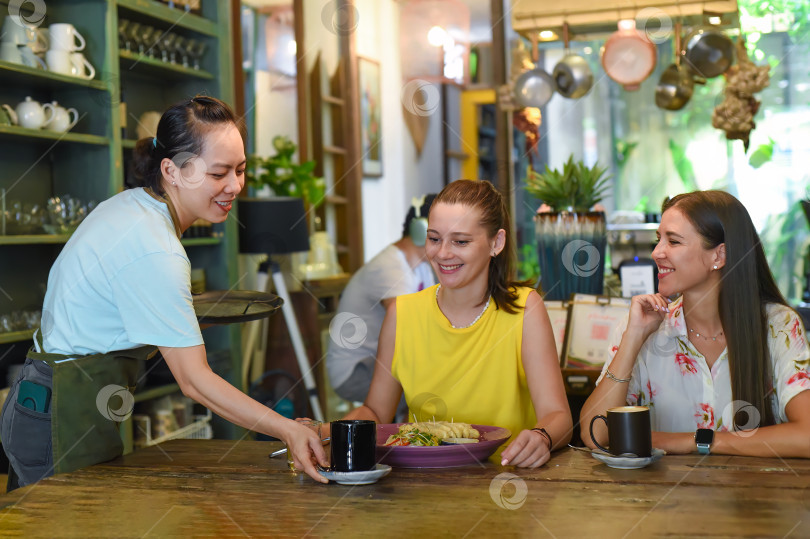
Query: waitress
x=118 y=292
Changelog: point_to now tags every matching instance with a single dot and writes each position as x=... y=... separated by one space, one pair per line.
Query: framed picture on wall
x=368 y=72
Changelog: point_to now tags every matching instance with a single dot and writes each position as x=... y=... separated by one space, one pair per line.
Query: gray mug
x=10 y=52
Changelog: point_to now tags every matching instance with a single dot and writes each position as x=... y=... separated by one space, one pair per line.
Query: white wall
x=405 y=175
x=276 y=112
x=275 y=105
x=386 y=199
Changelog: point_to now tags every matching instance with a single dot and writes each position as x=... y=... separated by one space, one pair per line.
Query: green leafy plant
x=528 y=267
x=683 y=166
x=762 y=154
x=577 y=187
x=285 y=176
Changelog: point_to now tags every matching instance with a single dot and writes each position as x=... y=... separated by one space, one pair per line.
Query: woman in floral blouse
x=728 y=355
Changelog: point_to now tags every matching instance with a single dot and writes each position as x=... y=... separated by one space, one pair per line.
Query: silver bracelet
x=612 y=377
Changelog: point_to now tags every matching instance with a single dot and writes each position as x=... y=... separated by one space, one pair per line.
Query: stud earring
x=175 y=183
x=715 y=267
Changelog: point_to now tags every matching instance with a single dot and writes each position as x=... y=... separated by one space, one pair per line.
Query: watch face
x=704 y=436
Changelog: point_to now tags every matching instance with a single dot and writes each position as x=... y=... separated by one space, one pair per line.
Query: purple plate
x=442 y=456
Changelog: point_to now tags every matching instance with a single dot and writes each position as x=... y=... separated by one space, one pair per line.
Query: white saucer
x=628 y=463
x=357 y=478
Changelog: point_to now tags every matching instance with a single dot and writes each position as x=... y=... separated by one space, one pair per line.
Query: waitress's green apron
x=87 y=404
x=90 y=396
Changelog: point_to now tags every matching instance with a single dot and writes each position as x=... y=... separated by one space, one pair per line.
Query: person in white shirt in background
x=401 y=268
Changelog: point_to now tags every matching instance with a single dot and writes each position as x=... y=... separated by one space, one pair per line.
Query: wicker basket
x=199 y=429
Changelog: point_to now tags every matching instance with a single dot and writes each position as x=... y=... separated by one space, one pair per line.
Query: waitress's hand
x=306 y=449
x=529 y=450
x=647 y=311
x=326 y=428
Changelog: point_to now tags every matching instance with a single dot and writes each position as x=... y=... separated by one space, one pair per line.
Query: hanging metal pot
x=572 y=75
x=708 y=52
x=677 y=82
x=534 y=88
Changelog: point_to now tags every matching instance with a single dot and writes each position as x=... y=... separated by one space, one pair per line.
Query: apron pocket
x=30 y=436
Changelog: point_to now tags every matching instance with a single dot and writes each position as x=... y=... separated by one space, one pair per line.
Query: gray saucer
x=357 y=478
x=628 y=463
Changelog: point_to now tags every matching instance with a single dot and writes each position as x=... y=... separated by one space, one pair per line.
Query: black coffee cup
x=353 y=445
x=628 y=431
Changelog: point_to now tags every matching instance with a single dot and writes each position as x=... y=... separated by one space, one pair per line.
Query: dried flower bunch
x=735 y=115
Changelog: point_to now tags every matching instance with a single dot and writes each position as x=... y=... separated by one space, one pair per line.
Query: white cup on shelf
x=16 y=33
x=59 y=62
x=30 y=59
x=64 y=37
x=10 y=52
x=81 y=67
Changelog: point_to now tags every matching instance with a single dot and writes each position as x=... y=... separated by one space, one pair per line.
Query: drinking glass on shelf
x=196 y=49
x=179 y=49
x=148 y=39
x=189 y=47
x=123 y=35
x=134 y=35
x=6 y=325
x=168 y=49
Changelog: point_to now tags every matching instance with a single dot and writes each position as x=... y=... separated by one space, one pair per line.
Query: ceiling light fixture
x=437 y=36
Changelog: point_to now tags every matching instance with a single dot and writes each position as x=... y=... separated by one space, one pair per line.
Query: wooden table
x=224 y=488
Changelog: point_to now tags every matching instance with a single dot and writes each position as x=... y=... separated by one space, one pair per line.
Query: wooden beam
x=301 y=81
x=503 y=119
x=236 y=59
x=354 y=172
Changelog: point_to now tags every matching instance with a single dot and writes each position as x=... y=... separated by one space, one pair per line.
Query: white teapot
x=61 y=118
x=30 y=113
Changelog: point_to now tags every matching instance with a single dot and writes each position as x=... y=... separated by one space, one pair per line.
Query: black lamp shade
x=272 y=226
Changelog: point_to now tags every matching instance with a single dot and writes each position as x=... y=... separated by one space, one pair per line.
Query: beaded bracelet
x=547 y=436
x=612 y=377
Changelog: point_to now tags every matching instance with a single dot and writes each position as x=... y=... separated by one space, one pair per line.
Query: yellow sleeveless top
x=472 y=375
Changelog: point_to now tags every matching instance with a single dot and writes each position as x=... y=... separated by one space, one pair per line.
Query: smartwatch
x=703 y=440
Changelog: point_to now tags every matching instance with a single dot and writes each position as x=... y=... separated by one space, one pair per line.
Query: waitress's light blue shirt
x=121 y=281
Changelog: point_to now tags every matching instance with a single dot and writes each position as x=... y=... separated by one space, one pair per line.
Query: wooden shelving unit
x=333 y=153
x=132 y=61
x=90 y=162
x=34 y=239
x=16 y=336
x=8 y=132
x=156 y=11
x=20 y=75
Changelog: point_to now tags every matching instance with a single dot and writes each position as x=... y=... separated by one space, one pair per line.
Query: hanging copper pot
x=629 y=57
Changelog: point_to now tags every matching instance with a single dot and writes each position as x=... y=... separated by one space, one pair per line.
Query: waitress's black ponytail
x=181 y=129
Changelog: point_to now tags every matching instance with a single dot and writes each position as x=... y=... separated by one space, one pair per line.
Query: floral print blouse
x=674 y=380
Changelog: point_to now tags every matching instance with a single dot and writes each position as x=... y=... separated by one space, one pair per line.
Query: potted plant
x=571 y=238
x=284 y=176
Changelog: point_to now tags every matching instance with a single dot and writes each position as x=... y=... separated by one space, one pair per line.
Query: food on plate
x=431 y=433
x=413 y=437
x=459 y=441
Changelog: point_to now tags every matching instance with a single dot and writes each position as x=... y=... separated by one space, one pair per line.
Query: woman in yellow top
x=478 y=347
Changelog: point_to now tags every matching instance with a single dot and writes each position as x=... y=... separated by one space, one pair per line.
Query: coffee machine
x=631 y=239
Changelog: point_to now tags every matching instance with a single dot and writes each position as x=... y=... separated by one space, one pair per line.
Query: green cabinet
x=90 y=161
